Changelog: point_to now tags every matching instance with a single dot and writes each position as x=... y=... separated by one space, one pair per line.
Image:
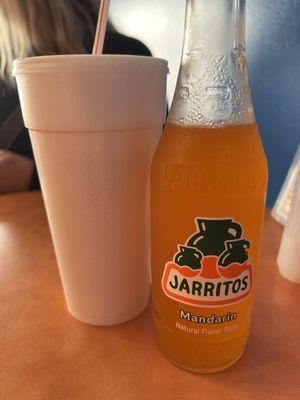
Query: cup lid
x=87 y=61
x=87 y=93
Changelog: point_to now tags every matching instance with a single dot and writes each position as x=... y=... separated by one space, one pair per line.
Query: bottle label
x=212 y=269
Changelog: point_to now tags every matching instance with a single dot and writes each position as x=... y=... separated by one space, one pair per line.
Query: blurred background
x=273 y=48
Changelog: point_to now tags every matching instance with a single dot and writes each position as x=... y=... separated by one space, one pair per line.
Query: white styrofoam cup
x=94 y=123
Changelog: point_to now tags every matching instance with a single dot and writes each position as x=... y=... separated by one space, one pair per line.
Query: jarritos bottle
x=209 y=179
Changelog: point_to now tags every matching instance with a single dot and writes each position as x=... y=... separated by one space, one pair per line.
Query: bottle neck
x=214 y=27
x=212 y=88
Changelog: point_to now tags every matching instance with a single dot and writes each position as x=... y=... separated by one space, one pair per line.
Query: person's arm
x=15 y=172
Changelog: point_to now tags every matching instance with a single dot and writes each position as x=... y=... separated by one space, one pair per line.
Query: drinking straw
x=101 y=27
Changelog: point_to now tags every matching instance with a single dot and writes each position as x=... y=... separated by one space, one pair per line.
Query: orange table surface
x=45 y=354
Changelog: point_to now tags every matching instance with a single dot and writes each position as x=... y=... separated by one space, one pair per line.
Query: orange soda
x=209 y=182
x=199 y=173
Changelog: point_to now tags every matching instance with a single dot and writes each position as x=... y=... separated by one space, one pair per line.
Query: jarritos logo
x=213 y=268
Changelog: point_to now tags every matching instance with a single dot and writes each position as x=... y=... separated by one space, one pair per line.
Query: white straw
x=101 y=27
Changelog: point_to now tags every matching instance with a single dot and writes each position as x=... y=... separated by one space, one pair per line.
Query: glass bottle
x=209 y=180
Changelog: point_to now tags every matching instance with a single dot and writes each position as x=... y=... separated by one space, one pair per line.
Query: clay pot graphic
x=212 y=235
x=236 y=253
x=189 y=256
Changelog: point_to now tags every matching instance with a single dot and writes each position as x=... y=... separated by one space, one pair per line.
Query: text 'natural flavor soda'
x=209 y=179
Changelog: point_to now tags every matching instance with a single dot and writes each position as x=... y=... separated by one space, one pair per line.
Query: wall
x=274 y=66
x=273 y=37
